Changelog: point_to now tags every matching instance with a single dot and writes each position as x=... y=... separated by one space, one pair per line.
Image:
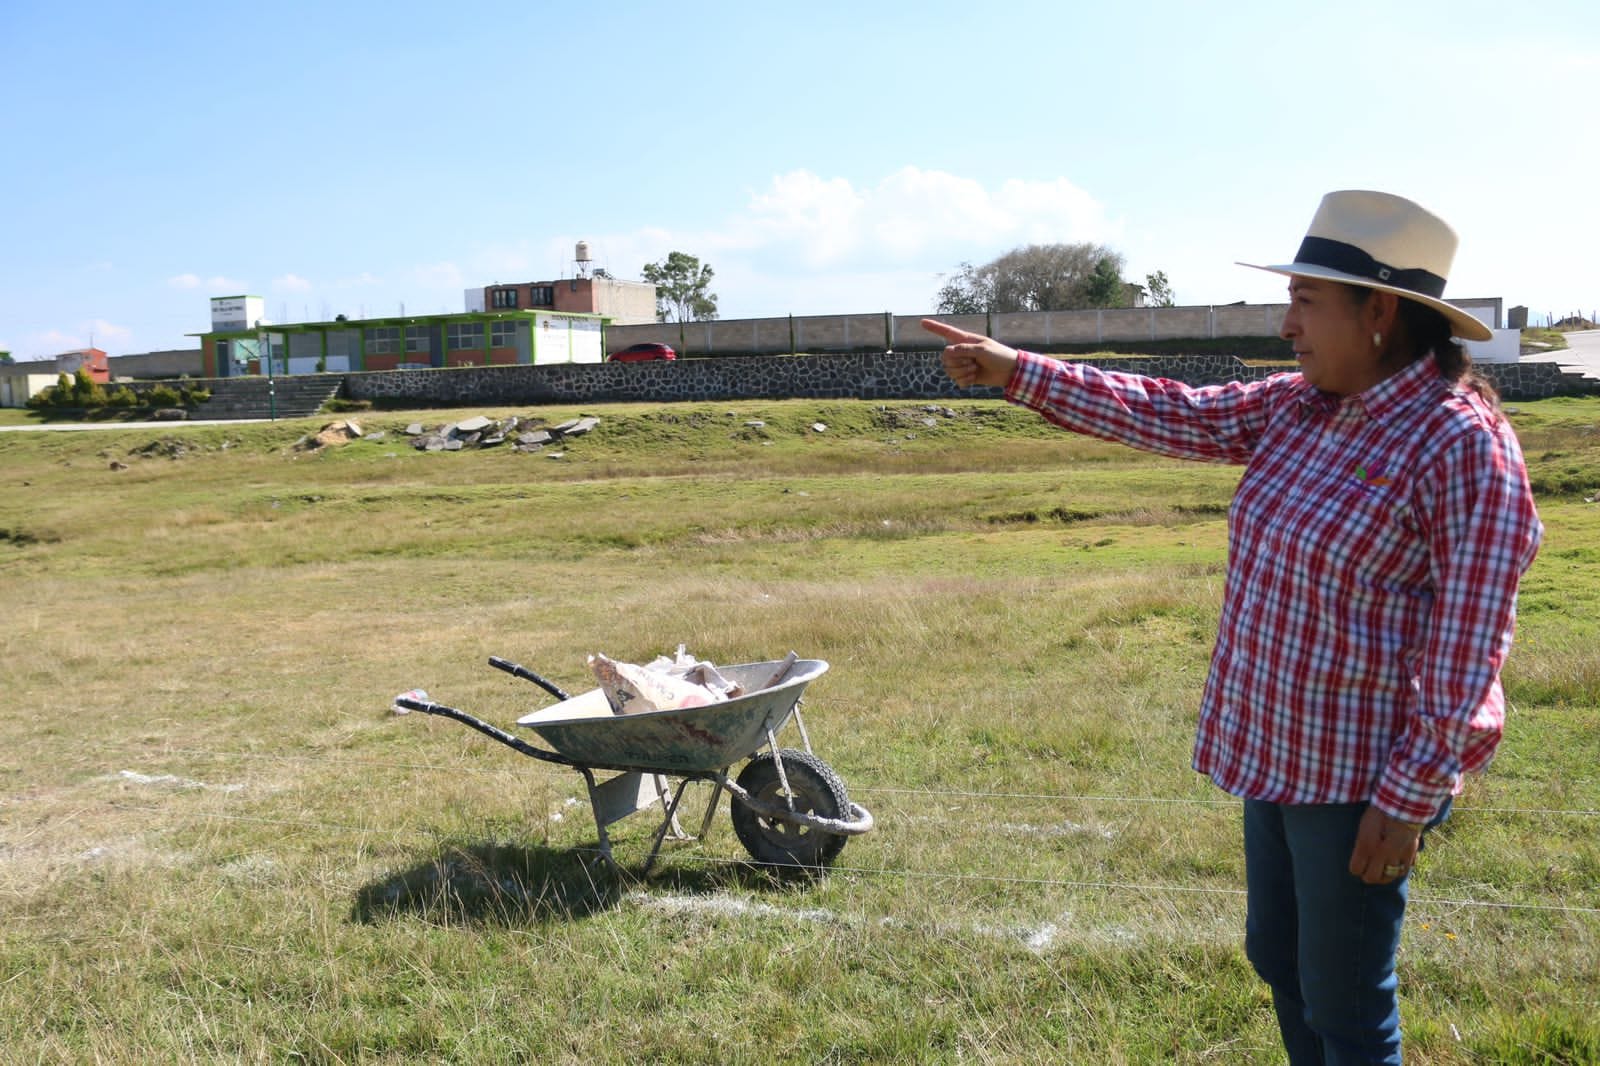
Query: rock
x=535 y=438
x=375 y=437
x=116 y=465
x=819 y=427
x=755 y=423
x=170 y=414
x=471 y=438
x=563 y=427
x=582 y=426
x=492 y=440
x=353 y=428
x=453 y=445
x=930 y=422
x=475 y=424
x=557 y=455
x=414 y=429
x=433 y=444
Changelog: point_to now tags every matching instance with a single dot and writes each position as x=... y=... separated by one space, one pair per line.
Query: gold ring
x=1393 y=871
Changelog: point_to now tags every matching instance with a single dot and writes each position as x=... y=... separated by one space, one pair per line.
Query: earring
x=1377 y=339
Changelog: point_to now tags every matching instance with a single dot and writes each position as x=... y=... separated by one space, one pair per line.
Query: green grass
x=1553 y=339
x=217 y=843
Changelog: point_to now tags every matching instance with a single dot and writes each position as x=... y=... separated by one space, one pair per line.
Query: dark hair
x=1422 y=330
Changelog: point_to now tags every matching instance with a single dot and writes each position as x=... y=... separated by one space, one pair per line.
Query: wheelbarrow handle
x=528 y=675
x=508 y=739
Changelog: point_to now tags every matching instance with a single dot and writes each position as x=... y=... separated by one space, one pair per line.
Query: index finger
x=951 y=333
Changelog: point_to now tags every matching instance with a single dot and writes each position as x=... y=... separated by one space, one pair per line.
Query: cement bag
x=631 y=689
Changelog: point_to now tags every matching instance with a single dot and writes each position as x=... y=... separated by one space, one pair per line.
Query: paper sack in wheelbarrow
x=788 y=808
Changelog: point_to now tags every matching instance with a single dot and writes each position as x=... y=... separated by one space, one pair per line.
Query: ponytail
x=1425 y=329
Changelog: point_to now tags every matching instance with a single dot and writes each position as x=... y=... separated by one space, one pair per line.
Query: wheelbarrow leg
x=711 y=808
x=600 y=823
x=669 y=822
x=663 y=790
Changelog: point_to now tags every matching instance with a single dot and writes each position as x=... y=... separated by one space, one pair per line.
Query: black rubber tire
x=817 y=790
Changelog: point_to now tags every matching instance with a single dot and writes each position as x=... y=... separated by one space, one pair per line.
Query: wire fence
x=922 y=796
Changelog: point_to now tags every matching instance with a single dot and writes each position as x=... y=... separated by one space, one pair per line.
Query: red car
x=643 y=353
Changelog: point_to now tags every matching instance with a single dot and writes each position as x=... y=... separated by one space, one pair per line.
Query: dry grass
x=216 y=843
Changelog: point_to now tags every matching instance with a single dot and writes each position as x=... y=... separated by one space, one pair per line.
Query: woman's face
x=1332 y=337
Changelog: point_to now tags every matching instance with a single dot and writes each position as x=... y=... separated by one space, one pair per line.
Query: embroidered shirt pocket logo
x=1372 y=476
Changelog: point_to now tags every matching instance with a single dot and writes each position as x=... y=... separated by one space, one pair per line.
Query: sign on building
x=233 y=313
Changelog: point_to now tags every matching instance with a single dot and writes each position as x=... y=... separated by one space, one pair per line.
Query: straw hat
x=1382 y=242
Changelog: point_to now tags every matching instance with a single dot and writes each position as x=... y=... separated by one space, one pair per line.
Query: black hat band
x=1348 y=259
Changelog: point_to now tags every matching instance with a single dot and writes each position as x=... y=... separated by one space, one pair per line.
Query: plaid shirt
x=1375 y=543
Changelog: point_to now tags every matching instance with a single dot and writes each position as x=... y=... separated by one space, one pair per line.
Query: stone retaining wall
x=866 y=376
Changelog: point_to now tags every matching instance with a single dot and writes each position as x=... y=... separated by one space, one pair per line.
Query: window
x=383 y=340
x=416 y=338
x=503 y=335
x=468 y=335
x=503 y=298
x=541 y=296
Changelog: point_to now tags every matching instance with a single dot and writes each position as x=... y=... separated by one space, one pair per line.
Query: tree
x=1104 y=285
x=681 y=283
x=1037 y=277
x=5 y=359
x=1159 y=289
x=966 y=293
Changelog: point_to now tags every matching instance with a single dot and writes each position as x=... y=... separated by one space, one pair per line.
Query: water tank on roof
x=583 y=251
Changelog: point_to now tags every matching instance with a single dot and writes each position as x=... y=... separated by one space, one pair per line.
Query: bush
x=57 y=395
x=86 y=391
x=122 y=396
x=195 y=396
x=162 y=396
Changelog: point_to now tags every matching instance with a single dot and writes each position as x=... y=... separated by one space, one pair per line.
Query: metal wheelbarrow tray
x=789 y=809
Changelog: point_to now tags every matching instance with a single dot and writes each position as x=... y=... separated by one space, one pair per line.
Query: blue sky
x=354 y=157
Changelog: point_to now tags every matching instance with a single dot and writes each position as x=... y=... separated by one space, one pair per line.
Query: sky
x=827 y=157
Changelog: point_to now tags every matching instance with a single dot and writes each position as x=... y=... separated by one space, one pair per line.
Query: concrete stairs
x=290 y=397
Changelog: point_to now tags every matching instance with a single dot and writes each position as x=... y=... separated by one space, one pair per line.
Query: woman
x=1376 y=540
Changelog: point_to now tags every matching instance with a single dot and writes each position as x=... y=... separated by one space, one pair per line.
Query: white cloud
x=104 y=331
x=97 y=332
x=809 y=244
x=819 y=218
x=910 y=215
x=291 y=283
x=216 y=283
x=361 y=280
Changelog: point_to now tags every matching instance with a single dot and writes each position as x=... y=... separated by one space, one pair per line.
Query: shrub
x=162 y=396
x=195 y=396
x=86 y=391
x=57 y=395
x=122 y=396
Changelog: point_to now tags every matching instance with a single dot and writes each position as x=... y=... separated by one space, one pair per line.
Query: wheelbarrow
x=789 y=809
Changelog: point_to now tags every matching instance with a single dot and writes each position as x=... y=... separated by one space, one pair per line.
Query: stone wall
x=866 y=375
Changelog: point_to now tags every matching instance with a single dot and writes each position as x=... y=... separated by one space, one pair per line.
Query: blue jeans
x=1321 y=939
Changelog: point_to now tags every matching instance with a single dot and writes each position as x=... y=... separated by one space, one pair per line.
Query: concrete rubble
x=523 y=434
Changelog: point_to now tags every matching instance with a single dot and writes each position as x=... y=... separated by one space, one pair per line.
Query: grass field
x=218 y=844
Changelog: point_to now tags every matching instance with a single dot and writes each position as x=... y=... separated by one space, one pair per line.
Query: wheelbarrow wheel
x=816 y=790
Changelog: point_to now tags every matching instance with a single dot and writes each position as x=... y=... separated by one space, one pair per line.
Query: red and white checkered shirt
x=1375 y=543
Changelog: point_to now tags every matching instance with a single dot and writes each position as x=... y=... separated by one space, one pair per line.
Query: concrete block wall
x=899 y=375
x=879 y=330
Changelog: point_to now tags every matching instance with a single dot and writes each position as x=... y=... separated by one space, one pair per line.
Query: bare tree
x=1037 y=277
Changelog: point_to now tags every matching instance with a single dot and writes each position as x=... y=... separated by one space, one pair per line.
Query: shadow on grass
x=493 y=884
x=507 y=885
